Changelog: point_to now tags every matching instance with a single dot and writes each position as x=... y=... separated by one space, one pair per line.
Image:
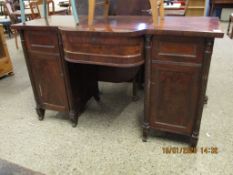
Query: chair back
x=35 y=10
x=9 y=12
x=156 y=7
x=50 y=3
x=8 y=7
x=34 y=6
x=91 y=9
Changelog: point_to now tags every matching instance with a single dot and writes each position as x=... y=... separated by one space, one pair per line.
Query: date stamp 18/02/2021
x=190 y=150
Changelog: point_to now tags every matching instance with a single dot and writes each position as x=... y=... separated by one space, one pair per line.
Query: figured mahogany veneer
x=65 y=63
x=90 y=48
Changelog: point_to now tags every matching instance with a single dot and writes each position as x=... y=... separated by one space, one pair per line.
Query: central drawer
x=91 y=48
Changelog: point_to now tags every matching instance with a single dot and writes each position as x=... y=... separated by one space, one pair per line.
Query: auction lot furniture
x=230 y=27
x=5 y=61
x=7 y=25
x=156 y=7
x=219 y=3
x=66 y=61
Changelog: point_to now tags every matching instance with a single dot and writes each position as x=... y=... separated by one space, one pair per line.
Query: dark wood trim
x=202 y=96
x=147 y=52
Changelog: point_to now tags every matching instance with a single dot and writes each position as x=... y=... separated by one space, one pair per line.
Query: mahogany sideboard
x=65 y=63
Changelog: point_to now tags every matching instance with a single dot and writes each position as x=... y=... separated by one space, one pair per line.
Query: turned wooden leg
x=40 y=112
x=145 y=133
x=230 y=33
x=229 y=25
x=91 y=12
x=194 y=139
x=231 y=36
x=135 y=88
x=211 y=12
x=73 y=118
x=154 y=10
x=97 y=93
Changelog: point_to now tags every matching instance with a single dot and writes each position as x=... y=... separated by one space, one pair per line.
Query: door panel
x=174 y=92
x=49 y=81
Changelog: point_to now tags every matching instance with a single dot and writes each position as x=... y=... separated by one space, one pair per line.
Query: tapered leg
x=97 y=97
x=154 y=10
x=40 y=112
x=230 y=33
x=194 y=139
x=211 y=12
x=73 y=118
x=91 y=12
x=135 y=88
x=145 y=133
x=96 y=92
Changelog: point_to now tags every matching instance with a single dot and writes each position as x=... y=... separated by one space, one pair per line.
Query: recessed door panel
x=49 y=81
x=174 y=92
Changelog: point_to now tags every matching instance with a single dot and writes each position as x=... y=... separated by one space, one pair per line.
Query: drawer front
x=178 y=49
x=42 y=41
x=174 y=97
x=103 y=50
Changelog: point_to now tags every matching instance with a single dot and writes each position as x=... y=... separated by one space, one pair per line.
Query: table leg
x=211 y=11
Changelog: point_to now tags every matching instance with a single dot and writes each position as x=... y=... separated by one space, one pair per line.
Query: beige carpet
x=108 y=137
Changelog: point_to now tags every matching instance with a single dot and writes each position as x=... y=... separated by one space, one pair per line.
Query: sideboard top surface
x=131 y=25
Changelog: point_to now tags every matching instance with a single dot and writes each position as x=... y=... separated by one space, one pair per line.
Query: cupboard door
x=174 y=96
x=49 y=82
